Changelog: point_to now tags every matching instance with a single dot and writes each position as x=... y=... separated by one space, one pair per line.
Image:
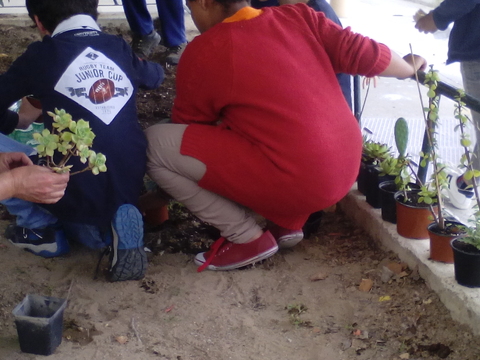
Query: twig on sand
x=135 y=330
x=70 y=289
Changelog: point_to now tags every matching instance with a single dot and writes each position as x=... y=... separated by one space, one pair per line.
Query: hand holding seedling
x=21 y=179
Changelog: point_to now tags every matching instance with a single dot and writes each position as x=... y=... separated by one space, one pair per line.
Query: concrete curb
x=462 y=302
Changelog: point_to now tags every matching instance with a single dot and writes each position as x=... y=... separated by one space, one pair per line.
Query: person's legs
x=138 y=17
x=172 y=22
x=144 y=37
x=91 y=236
x=36 y=229
x=122 y=239
x=29 y=215
x=178 y=175
x=471 y=82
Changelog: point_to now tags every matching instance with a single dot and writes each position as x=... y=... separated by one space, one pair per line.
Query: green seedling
x=69 y=138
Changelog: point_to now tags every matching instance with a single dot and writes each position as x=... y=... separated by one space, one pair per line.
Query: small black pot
x=362 y=177
x=387 y=199
x=466 y=262
x=373 y=192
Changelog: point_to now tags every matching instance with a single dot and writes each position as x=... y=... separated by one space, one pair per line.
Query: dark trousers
x=172 y=19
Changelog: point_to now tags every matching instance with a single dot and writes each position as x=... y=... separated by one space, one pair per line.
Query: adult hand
x=426 y=24
x=12 y=160
x=38 y=184
x=27 y=114
x=416 y=61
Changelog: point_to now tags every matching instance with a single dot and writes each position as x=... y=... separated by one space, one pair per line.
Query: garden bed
x=336 y=295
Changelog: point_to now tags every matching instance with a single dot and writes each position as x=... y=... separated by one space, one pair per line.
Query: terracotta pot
x=156 y=216
x=466 y=263
x=412 y=219
x=440 y=249
x=387 y=199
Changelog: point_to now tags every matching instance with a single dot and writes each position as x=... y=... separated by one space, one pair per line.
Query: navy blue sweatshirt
x=93 y=76
x=464 y=41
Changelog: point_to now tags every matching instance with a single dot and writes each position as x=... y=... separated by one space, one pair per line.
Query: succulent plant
x=69 y=138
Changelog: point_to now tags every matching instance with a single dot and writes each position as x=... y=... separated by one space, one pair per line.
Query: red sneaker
x=225 y=255
x=286 y=238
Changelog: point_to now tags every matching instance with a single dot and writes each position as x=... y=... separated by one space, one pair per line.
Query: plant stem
x=467 y=151
x=430 y=128
x=80 y=171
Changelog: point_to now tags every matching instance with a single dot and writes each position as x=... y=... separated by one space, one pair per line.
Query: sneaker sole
x=47 y=250
x=289 y=241
x=129 y=263
x=200 y=261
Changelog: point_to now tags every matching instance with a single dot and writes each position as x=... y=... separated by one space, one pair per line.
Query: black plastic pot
x=466 y=262
x=372 y=190
x=387 y=199
x=362 y=177
x=39 y=321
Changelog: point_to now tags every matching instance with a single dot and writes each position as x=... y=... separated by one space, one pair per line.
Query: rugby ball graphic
x=101 y=91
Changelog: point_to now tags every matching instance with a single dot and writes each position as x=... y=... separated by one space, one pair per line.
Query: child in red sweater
x=259 y=121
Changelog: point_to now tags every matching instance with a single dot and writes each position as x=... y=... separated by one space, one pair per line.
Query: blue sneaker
x=48 y=242
x=128 y=260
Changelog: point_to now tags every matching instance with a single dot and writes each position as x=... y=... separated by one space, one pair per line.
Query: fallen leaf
x=170 y=308
x=357 y=332
x=397 y=268
x=121 y=339
x=426 y=302
x=365 y=285
x=316 y=330
x=403 y=274
x=319 y=276
x=384 y=298
x=405 y=356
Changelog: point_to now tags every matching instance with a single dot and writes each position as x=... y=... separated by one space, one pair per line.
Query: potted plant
x=399 y=169
x=372 y=154
x=440 y=231
x=466 y=248
x=415 y=209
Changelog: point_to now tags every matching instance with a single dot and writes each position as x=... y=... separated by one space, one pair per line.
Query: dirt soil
x=335 y=296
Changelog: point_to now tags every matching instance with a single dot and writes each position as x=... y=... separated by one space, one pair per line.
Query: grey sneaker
x=143 y=45
x=174 y=54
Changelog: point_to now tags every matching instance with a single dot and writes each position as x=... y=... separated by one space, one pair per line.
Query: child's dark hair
x=53 y=12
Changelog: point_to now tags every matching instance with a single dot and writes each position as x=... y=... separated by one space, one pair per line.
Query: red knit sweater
x=268 y=117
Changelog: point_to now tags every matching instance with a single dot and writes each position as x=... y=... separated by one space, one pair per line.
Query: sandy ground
x=335 y=296
x=330 y=297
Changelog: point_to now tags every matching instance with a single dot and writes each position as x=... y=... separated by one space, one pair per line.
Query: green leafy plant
x=471 y=174
x=69 y=138
x=431 y=192
x=295 y=310
x=374 y=152
x=400 y=167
